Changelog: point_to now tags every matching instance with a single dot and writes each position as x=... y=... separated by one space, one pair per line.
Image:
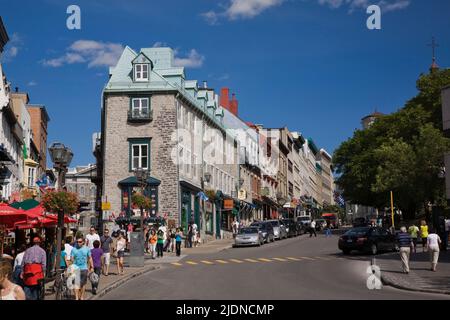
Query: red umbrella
x=39 y=211
x=10 y=215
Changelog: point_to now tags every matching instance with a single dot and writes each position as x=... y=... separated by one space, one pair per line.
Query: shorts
x=80 y=278
x=120 y=254
x=107 y=257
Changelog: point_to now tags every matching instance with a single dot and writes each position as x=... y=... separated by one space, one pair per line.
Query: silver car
x=250 y=236
x=279 y=229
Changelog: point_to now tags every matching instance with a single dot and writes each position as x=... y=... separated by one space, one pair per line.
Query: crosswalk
x=215 y=262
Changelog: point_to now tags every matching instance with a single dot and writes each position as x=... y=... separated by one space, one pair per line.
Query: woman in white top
x=433 y=242
x=8 y=290
x=120 y=249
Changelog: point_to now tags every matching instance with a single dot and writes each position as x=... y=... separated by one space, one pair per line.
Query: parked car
x=368 y=239
x=304 y=221
x=279 y=229
x=266 y=229
x=360 y=222
x=291 y=227
x=249 y=236
x=301 y=227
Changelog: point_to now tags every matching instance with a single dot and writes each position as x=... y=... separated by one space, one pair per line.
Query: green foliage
x=57 y=201
x=141 y=201
x=401 y=152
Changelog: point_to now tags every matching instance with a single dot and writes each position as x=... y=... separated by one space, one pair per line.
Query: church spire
x=434 y=67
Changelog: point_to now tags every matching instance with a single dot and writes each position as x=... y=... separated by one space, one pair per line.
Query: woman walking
x=96 y=255
x=423 y=234
x=178 y=239
x=152 y=239
x=120 y=249
x=9 y=290
x=433 y=242
x=160 y=243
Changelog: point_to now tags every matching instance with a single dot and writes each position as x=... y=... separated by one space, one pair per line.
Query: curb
x=121 y=282
x=389 y=282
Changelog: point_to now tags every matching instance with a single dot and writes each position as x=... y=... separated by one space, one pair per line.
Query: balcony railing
x=140 y=116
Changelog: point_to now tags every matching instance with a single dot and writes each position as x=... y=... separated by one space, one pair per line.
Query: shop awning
x=26 y=204
x=10 y=215
x=133 y=182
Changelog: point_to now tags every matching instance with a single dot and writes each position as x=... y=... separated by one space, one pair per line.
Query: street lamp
x=142 y=176
x=61 y=157
x=206 y=178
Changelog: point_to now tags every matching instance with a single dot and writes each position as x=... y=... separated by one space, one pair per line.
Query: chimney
x=224 y=98
x=234 y=105
x=205 y=84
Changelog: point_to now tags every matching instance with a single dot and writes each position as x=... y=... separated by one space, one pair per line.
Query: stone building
x=154 y=118
x=78 y=180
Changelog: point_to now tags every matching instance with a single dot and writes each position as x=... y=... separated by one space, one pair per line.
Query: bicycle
x=62 y=291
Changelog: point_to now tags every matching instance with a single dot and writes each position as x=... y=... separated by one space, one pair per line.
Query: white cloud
x=193 y=60
x=94 y=53
x=386 y=5
x=240 y=9
x=14 y=45
x=32 y=83
x=159 y=44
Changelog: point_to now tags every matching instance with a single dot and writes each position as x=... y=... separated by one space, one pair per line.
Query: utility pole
x=392 y=211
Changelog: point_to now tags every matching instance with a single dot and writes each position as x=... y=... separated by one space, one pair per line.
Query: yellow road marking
x=250 y=260
x=236 y=260
x=177 y=264
x=294 y=259
x=322 y=258
x=279 y=259
x=207 y=262
x=264 y=259
x=222 y=261
x=307 y=258
x=191 y=262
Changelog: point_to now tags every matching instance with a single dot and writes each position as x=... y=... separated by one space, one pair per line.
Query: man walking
x=414 y=232
x=34 y=264
x=107 y=247
x=405 y=243
x=312 y=228
x=82 y=260
x=91 y=237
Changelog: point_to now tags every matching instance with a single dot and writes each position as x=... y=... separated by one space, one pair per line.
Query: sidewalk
x=112 y=281
x=420 y=277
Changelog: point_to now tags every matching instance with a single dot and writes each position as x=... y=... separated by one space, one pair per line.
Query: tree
x=60 y=201
x=401 y=152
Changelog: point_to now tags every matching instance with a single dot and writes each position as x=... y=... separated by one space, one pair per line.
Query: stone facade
x=159 y=130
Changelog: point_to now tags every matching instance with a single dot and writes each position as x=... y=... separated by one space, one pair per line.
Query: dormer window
x=142 y=66
x=141 y=72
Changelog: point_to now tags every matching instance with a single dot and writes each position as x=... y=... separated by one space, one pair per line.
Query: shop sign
x=106 y=205
x=242 y=195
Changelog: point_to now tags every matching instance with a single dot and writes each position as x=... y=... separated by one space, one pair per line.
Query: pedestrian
x=17 y=269
x=414 y=232
x=107 y=247
x=312 y=228
x=68 y=249
x=194 y=234
x=405 y=243
x=82 y=261
x=190 y=233
x=178 y=239
x=96 y=254
x=235 y=228
x=9 y=290
x=120 y=250
x=63 y=260
x=91 y=237
x=160 y=243
x=146 y=235
x=328 y=229
x=152 y=243
x=34 y=264
x=423 y=234
x=172 y=240
x=446 y=233
x=433 y=242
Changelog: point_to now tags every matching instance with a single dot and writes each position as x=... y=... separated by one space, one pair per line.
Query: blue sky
x=311 y=65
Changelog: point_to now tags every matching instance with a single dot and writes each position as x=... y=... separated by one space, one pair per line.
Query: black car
x=368 y=239
x=266 y=229
x=360 y=222
x=291 y=227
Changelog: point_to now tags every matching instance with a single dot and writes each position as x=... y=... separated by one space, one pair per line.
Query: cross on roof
x=433 y=45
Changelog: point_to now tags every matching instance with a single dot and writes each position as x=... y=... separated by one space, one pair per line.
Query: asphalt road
x=297 y=268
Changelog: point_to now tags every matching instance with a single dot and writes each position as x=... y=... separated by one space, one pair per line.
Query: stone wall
x=159 y=130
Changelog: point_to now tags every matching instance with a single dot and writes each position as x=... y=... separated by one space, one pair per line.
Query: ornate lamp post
x=61 y=157
x=142 y=176
x=206 y=178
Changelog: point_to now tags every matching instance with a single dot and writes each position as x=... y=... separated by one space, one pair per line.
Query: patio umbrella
x=9 y=215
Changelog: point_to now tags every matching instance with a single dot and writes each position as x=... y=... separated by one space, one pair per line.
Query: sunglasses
x=79 y=241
